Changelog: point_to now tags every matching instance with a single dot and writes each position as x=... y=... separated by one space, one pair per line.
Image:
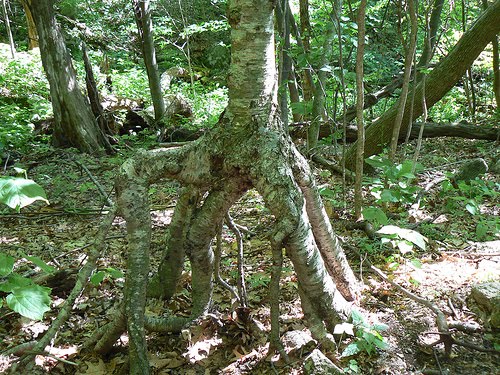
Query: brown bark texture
x=75 y=125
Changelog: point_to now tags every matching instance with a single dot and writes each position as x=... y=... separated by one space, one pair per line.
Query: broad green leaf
x=357 y=318
x=20 y=192
x=472 y=207
x=351 y=349
x=375 y=214
x=6 y=264
x=97 y=277
x=30 y=301
x=379 y=162
x=114 y=273
x=416 y=263
x=407 y=234
x=39 y=263
x=14 y=281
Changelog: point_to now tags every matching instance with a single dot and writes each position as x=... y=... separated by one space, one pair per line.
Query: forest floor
x=453 y=261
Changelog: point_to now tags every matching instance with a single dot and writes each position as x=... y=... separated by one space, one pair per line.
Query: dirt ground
x=219 y=343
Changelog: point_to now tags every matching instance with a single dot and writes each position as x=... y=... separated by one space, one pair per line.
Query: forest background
x=431 y=203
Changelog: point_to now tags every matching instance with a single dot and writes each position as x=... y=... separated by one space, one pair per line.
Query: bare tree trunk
x=30 y=23
x=412 y=45
x=7 y=28
x=142 y=13
x=496 y=65
x=358 y=192
x=75 y=125
x=430 y=38
x=439 y=81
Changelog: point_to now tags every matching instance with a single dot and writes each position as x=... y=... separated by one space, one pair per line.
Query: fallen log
x=431 y=130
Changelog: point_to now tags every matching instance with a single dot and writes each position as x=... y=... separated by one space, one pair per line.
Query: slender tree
x=142 y=12
x=358 y=197
x=7 y=28
x=439 y=81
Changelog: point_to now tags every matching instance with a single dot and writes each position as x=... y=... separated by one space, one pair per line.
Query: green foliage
x=24 y=296
x=18 y=192
x=108 y=273
x=394 y=183
x=466 y=198
x=402 y=238
x=367 y=336
x=24 y=98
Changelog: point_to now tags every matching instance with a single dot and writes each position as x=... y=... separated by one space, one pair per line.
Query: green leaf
x=30 y=301
x=375 y=215
x=472 y=207
x=20 y=192
x=97 y=277
x=407 y=234
x=39 y=263
x=114 y=273
x=14 y=281
x=351 y=349
x=6 y=264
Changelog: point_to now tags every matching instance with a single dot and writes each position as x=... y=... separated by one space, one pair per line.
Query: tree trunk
x=358 y=192
x=439 y=81
x=30 y=23
x=142 y=13
x=431 y=36
x=7 y=28
x=75 y=125
x=248 y=149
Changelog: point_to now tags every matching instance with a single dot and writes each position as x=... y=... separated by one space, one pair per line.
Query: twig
x=242 y=290
x=81 y=282
x=218 y=277
x=99 y=187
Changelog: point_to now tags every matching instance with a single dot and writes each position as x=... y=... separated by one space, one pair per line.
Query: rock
x=318 y=363
x=470 y=170
x=297 y=341
x=484 y=300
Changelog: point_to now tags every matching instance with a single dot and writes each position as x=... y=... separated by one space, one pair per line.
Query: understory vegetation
x=429 y=230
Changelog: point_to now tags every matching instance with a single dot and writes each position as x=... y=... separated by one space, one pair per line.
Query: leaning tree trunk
x=30 y=24
x=248 y=149
x=142 y=13
x=439 y=81
x=75 y=125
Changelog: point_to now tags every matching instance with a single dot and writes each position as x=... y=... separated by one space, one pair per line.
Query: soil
x=221 y=342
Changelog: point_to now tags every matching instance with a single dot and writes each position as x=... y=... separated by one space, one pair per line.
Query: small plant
x=23 y=295
x=394 y=183
x=108 y=273
x=18 y=192
x=367 y=336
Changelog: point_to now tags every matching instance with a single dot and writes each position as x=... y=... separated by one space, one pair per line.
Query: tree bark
x=142 y=13
x=412 y=45
x=439 y=81
x=30 y=23
x=358 y=193
x=248 y=149
x=75 y=125
x=7 y=28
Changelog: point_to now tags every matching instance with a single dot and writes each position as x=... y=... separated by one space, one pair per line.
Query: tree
x=30 y=23
x=75 y=125
x=439 y=81
x=248 y=149
x=142 y=13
